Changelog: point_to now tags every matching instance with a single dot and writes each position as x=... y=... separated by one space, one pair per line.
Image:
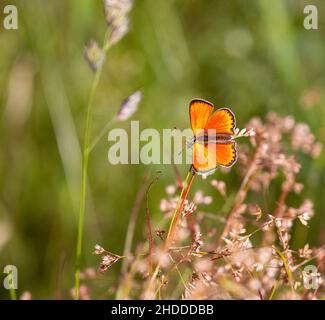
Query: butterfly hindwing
x=203 y=161
x=226 y=153
x=207 y=156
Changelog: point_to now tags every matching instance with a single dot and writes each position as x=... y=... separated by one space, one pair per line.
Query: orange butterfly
x=213 y=142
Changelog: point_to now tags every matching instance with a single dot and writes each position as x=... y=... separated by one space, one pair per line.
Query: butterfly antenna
x=188 y=144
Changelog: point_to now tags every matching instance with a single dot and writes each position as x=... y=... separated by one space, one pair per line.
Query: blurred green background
x=253 y=56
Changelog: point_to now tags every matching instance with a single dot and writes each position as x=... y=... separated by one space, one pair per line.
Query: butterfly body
x=213 y=142
x=211 y=137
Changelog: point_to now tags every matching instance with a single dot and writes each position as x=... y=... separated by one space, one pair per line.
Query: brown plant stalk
x=241 y=194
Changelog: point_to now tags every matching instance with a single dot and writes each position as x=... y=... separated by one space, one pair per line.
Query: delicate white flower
x=220 y=186
x=98 y=249
x=170 y=190
x=258 y=267
x=304 y=218
x=305 y=252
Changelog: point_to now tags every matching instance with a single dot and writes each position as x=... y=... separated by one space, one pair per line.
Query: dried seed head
x=163 y=280
x=94 y=55
x=305 y=212
x=116 y=9
x=297 y=187
x=167 y=206
x=255 y=210
x=83 y=292
x=200 y=198
x=304 y=218
x=220 y=186
x=88 y=273
x=189 y=209
x=238 y=273
x=107 y=261
x=196 y=244
x=129 y=106
x=120 y=29
x=160 y=233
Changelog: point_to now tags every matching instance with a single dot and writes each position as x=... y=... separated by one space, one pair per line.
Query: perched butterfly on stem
x=213 y=142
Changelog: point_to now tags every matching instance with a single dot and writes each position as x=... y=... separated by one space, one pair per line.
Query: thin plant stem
x=278 y=211
x=158 y=292
x=13 y=295
x=133 y=218
x=178 y=177
x=178 y=203
x=177 y=269
x=173 y=225
x=95 y=141
x=148 y=220
x=178 y=213
x=85 y=163
x=125 y=284
x=306 y=261
x=273 y=291
x=286 y=266
x=241 y=195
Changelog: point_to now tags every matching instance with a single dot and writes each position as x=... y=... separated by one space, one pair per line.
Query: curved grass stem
x=85 y=162
x=148 y=220
x=174 y=222
x=177 y=214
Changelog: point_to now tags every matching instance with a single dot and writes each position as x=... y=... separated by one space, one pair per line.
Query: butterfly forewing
x=200 y=112
x=222 y=121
